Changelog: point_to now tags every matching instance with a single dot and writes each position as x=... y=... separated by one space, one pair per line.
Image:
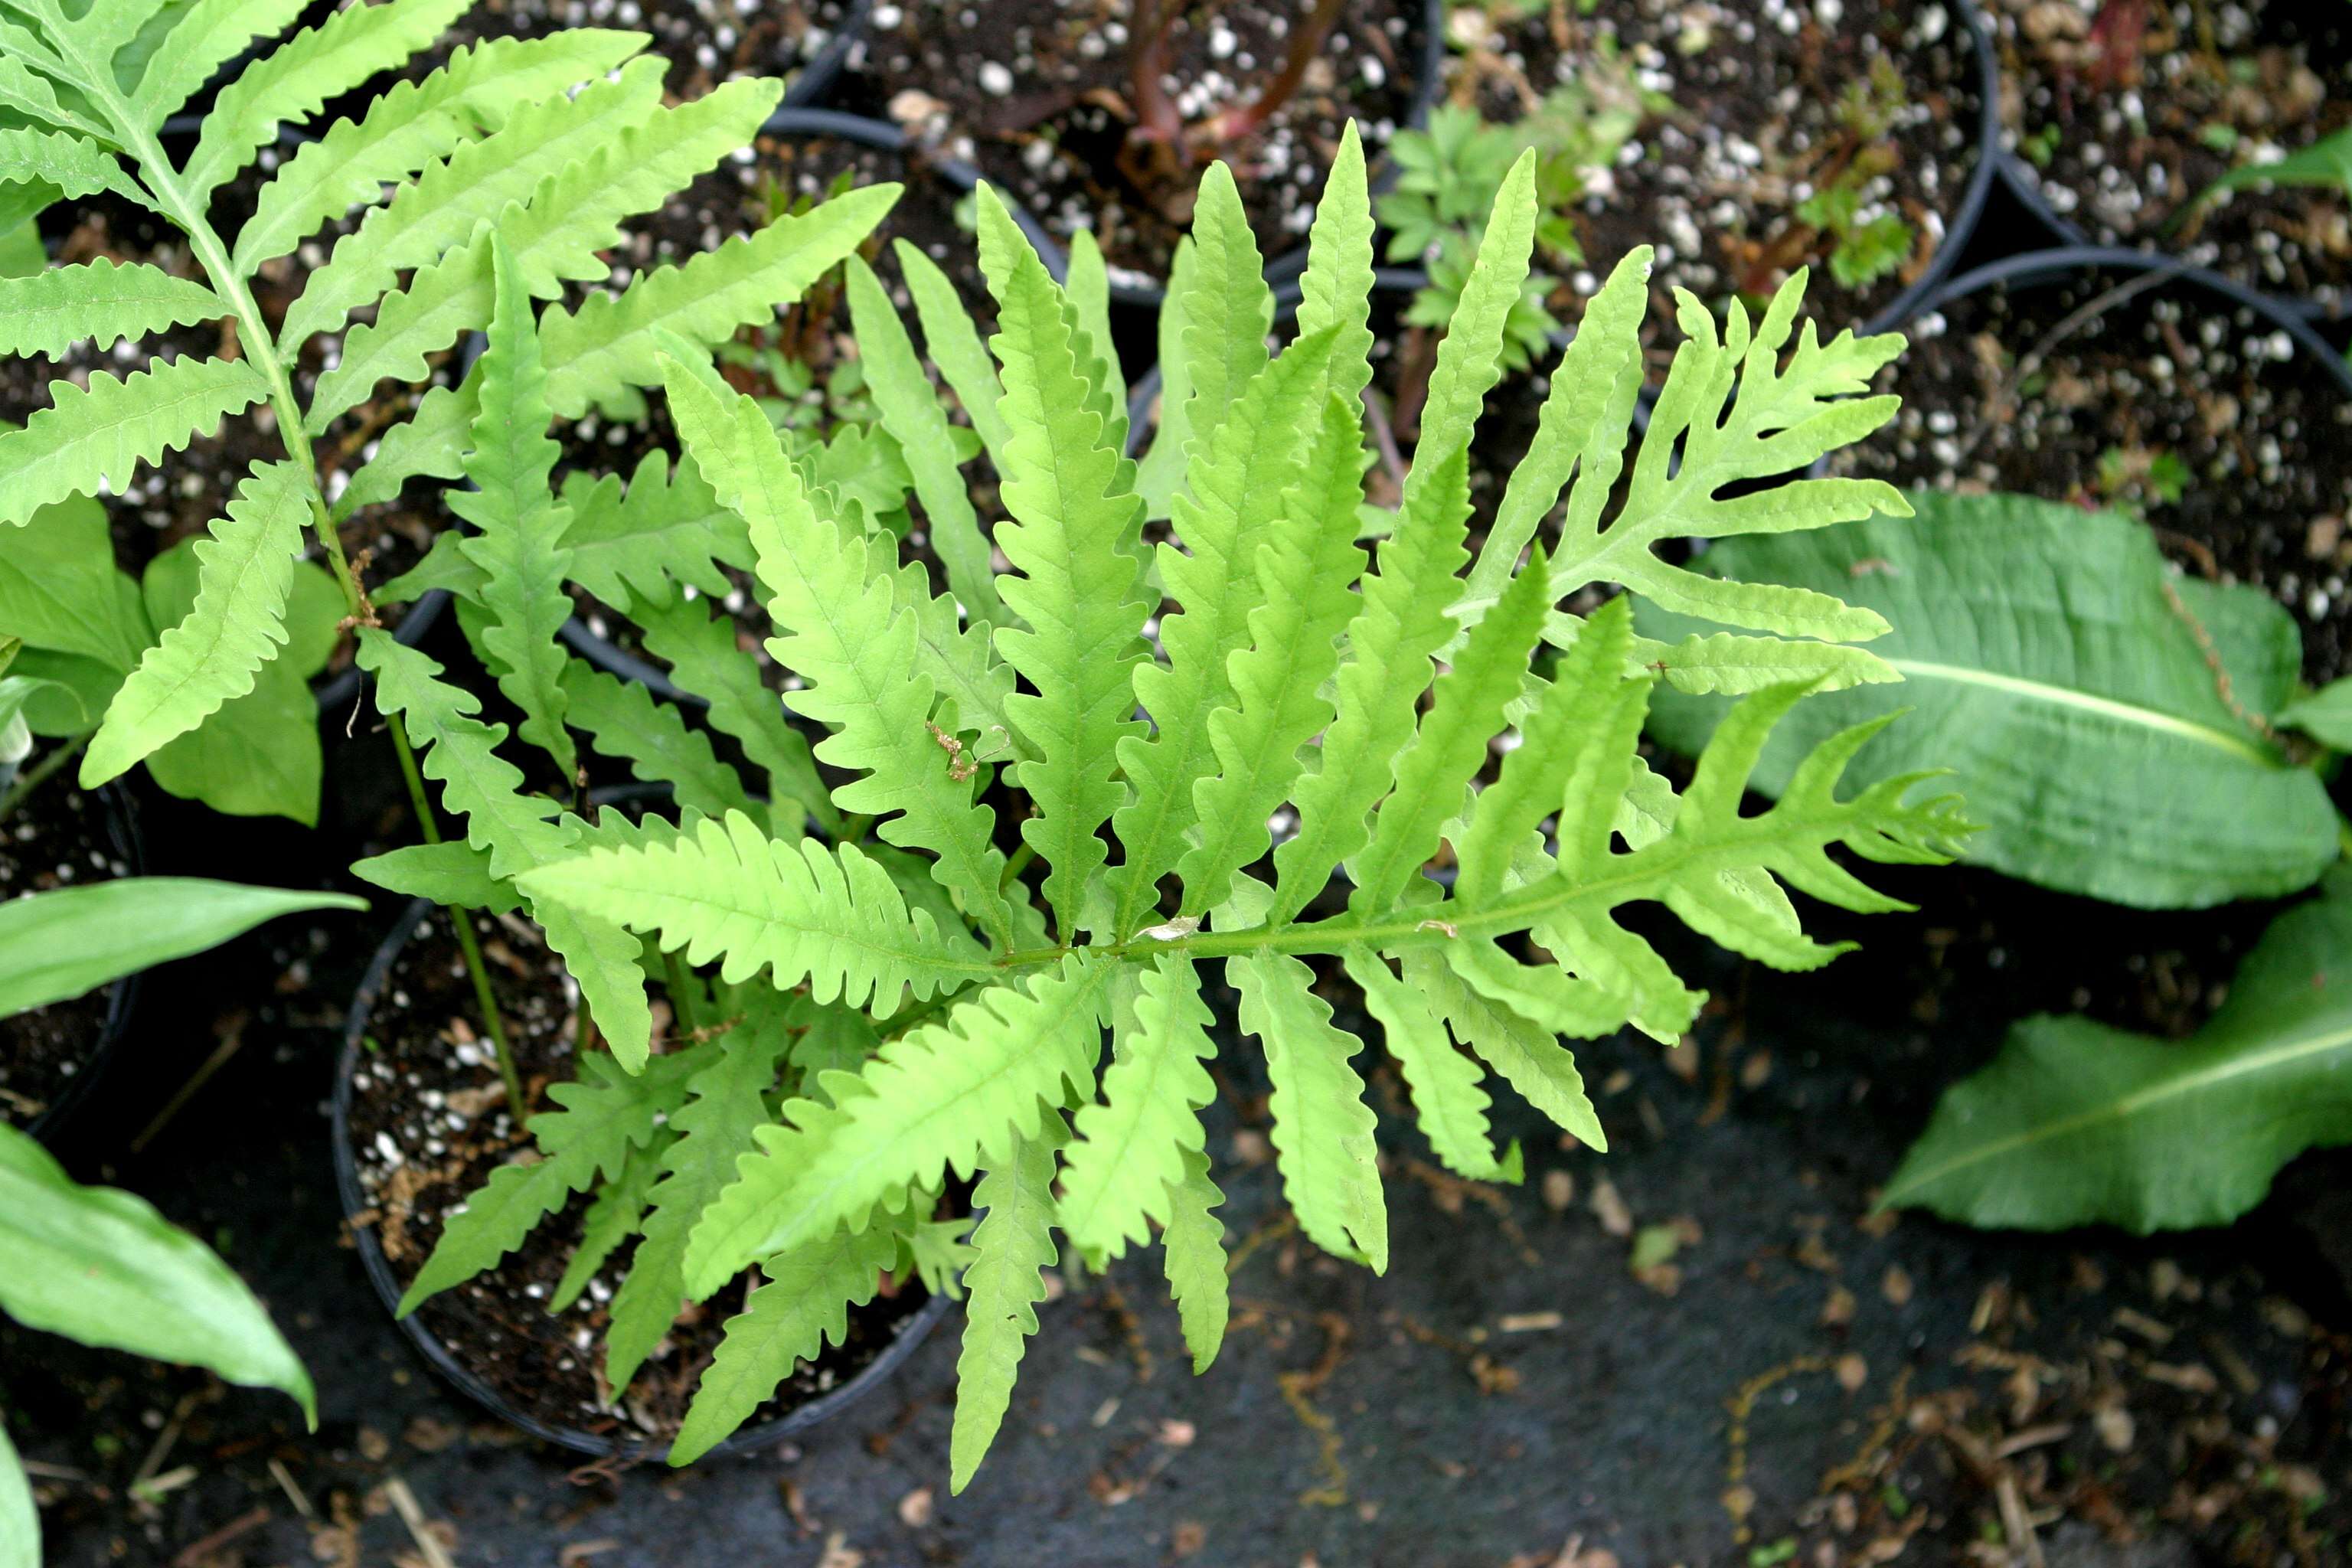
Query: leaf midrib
x=2131 y=713
x=2280 y=1055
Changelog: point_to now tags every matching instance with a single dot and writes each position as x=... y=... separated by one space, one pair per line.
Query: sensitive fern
x=1235 y=758
x=509 y=170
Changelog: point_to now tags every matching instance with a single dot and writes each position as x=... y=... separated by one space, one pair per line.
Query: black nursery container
x=122 y=814
x=911 y=1332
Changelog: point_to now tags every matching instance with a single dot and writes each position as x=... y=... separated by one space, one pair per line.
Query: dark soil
x=187 y=491
x=2121 y=125
x=706 y=41
x=429 y=1125
x=1037 y=94
x=2173 y=376
x=1756 y=127
x=57 y=837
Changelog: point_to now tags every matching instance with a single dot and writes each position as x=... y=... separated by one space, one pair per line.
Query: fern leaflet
x=1014 y=1245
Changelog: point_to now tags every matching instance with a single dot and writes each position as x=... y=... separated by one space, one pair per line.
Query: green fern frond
x=1130 y=1154
x=1013 y=1245
x=1466 y=711
x=32 y=96
x=74 y=166
x=514 y=828
x=705 y=662
x=631 y=547
x=557 y=233
x=296 y=79
x=1469 y=359
x=1397 y=629
x=519 y=546
x=955 y=347
x=612 y=1219
x=95 y=438
x=52 y=310
x=1227 y=313
x=1159 y=475
x=412 y=124
x=952 y=1095
x=724 y=1102
x=910 y=411
x=1194 y=1248
x=804 y=1306
x=1322 y=1132
x=212 y=33
x=602 y=1116
x=1448 y=1098
x=1335 y=290
x=1531 y=1062
x=1077 y=576
x=439 y=210
x=1237 y=493
x=829 y=918
x=236 y=625
x=1303 y=567
x=842 y=629
x=452 y=873
x=612 y=345
x=622 y=720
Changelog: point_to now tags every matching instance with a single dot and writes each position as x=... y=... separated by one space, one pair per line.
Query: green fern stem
x=466 y=941
x=31 y=778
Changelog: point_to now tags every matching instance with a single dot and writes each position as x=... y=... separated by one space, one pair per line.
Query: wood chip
x=1838 y=1310
x=1558 y=1191
x=1852 y=1373
x=2112 y=1423
x=2189 y=1377
x=1610 y=1209
x=1897 y=1286
x=1529 y=1322
x=915 y=1508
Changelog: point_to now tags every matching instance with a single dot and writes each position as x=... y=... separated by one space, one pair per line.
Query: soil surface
x=706 y=41
x=2171 y=404
x=1038 y=94
x=2123 y=113
x=57 y=837
x=1744 y=113
x=428 y=1126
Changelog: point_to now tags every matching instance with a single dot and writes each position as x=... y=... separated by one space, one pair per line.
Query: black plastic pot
x=1428 y=85
x=2065 y=235
x=122 y=996
x=751 y=1440
x=809 y=124
x=1970 y=213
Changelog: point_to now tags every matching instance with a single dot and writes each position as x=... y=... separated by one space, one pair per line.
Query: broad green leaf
x=258 y=756
x=2051 y=661
x=100 y=1266
x=60 y=944
x=453 y=873
x=60 y=590
x=2075 y=1123
x=20 y=1525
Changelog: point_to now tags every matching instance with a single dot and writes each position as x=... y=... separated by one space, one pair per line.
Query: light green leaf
x=2052 y=662
x=57 y=945
x=453 y=873
x=101 y=1267
x=2075 y=1123
x=622 y=720
x=1128 y=1159
x=1195 y=1258
x=60 y=590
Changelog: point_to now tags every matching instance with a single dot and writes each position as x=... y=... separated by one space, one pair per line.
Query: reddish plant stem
x=1306 y=43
